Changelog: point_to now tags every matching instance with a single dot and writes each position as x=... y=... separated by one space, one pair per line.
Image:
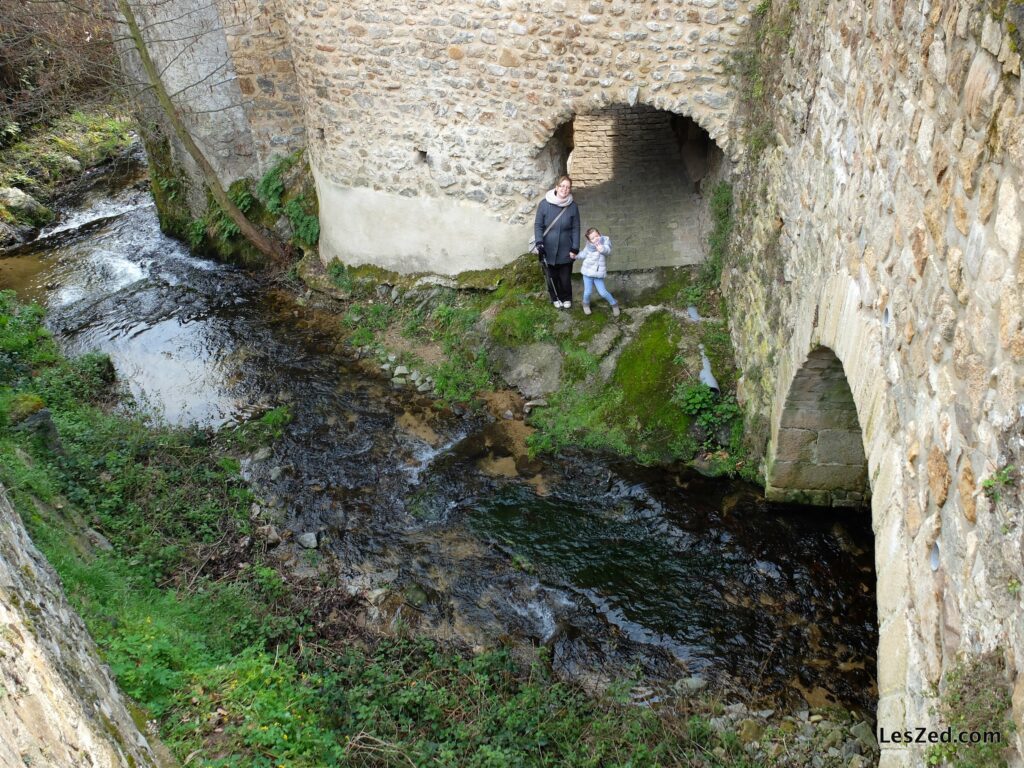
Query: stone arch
x=833 y=322
x=639 y=175
x=818 y=457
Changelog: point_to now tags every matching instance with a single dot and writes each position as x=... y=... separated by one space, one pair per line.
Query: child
x=594 y=269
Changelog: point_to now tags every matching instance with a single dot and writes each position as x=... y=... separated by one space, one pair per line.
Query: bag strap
x=553 y=221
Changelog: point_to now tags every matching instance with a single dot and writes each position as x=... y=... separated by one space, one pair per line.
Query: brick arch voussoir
x=565 y=112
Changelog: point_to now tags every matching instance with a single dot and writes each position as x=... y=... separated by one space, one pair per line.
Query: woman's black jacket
x=563 y=237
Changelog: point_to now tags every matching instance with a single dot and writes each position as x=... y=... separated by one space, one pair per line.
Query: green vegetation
x=757 y=67
x=284 y=191
x=718 y=240
x=44 y=159
x=238 y=666
x=168 y=187
x=365 y=321
x=998 y=482
x=339 y=276
x=974 y=699
x=712 y=414
x=296 y=205
x=522 y=321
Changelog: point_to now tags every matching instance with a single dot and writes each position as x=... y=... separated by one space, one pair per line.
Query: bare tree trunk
x=269 y=246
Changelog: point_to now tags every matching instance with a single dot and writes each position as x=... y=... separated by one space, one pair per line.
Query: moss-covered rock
x=19 y=207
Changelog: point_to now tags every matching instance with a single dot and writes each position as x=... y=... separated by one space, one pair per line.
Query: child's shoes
x=586 y=309
x=615 y=310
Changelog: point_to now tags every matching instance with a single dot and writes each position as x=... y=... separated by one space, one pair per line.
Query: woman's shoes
x=615 y=310
x=586 y=309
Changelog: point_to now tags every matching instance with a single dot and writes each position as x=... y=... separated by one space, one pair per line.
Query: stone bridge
x=876 y=288
x=877 y=309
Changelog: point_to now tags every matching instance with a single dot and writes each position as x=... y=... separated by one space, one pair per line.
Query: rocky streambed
x=440 y=520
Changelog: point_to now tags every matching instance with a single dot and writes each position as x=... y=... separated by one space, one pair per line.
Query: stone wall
x=432 y=129
x=228 y=69
x=885 y=226
x=59 y=706
x=259 y=45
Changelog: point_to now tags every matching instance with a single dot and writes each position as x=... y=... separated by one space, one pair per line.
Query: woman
x=557 y=233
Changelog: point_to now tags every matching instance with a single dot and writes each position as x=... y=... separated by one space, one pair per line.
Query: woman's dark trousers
x=560 y=281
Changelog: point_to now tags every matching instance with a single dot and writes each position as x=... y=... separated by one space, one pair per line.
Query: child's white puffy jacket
x=594 y=260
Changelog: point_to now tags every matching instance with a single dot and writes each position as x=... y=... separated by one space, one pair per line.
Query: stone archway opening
x=640 y=175
x=818 y=456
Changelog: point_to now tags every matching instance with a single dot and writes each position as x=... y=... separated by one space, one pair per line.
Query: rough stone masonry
x=882 y=242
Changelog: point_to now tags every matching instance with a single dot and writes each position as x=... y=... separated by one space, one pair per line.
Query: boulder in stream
x=24 y=208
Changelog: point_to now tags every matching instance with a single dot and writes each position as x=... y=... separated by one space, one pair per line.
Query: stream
x=617 y=570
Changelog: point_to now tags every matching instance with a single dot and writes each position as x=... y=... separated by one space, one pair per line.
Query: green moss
x=646 y=373
x=23 y=405
x=578 y=365
x=589 y=326
x=522 y=276
x=52 y=154
x=674 y=287
x=481 y=279
x=168 y=186
x=377 y=275
x=757 y=68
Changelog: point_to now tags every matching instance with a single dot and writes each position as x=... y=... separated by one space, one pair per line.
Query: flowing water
x=434 y=515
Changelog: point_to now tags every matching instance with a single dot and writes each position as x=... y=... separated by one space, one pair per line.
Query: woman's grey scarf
x=552 y=198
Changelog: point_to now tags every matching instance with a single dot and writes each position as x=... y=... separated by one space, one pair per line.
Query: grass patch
x=523 y=322
x=363 y=322
x=461 y=376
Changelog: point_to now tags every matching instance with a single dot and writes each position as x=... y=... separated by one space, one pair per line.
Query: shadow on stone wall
x=638 y=174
